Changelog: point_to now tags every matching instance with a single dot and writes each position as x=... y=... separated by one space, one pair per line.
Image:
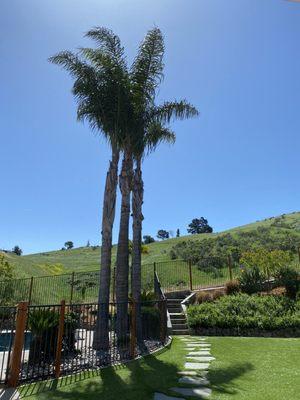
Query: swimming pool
x=7 y=336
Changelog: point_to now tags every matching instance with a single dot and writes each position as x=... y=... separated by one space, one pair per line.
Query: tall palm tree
x=101 y=90
x=151 y=129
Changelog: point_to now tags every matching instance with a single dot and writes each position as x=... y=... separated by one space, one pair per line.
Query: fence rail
x=54 y=340
x=82 y=287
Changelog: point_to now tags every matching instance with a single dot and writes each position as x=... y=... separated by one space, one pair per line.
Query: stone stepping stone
x=197 y=392
x=200 y=359
x=193 y=381
x=161 y=396
x=192 y=373
x=196 y=366
x=199 y=353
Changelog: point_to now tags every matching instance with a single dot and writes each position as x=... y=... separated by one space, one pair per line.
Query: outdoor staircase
x=177 y=316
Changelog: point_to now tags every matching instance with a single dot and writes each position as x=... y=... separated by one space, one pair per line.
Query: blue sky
x=236 y=60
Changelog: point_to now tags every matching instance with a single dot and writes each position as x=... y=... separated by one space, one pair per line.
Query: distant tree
x=199 y=225
x=162 y=234
x=148 y=239
x=178 y=233
x=69 y=245
x=88 y=244
x=17 y=250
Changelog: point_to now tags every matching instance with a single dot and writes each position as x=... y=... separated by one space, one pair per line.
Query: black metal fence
x=83 y=287
x=7 y=331
x=55 y=340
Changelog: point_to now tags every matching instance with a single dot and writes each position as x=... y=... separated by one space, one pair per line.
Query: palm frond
x=147 y=68
x=109 y=43
x=171 y=110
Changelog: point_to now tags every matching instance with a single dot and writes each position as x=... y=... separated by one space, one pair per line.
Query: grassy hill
x=87 y=258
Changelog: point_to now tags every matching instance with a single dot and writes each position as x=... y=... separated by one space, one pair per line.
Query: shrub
x=232 y=287
x=290 y=279
x=208 y=296
x=242 y=311
x=251 y=280
x=150 y=322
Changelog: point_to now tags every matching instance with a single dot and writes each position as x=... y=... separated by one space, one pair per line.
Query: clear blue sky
x=238 y=61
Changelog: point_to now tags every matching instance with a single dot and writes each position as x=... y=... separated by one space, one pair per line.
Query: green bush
x=251 y=280
x=290 y=279
x=150 y=322
x=244 y=312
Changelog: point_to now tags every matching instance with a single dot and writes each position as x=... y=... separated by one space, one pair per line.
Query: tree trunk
x=122 y=270
x=137 y=203
x=101 y=340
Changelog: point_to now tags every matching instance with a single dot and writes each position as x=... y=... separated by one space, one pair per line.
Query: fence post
x=30 y=290
x=15 y=361
x=191 y=275
x=72 y=286
x=132 y=329
x=299 y=254
x=230 y=267
x=60 y=338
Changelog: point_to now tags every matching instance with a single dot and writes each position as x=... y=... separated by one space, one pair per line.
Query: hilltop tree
x=17 y=250
x=199 y=225
x=162 y=234
x=88 y=244
x=69 y=245
x=148 y=239
x=178 y=233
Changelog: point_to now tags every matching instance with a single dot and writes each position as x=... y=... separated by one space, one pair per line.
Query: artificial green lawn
x=245 y=369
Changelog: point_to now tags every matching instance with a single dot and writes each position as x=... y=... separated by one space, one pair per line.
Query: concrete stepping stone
x=201 y=359
x=197 y=392
x=161 y=396
x=196 y=366
x=193 y=380
x=193 y=373
x=199 y=353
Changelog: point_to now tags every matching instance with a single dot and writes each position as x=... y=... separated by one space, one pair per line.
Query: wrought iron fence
x=83 y=287
x=7 y=331
x=54 y=340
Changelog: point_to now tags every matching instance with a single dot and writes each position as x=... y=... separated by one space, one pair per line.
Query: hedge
x=244 y=312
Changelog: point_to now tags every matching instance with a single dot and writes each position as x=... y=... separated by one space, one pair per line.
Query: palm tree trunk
x=137 y=203
x=101 y=339
x=122 y=270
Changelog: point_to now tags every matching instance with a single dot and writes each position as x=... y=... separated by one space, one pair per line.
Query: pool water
x=6 y=337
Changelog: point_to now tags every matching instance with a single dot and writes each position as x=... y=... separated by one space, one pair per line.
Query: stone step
x=193 y=381
x=197 y=392
x=180 y=332
x=177 y=315
x=178 y=320
x=196 y=366
x=174 y=301
x=179 y=326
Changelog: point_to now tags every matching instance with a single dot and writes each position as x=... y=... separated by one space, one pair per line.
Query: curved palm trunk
x=122 y=270
x=137 y=203
x=101 y=339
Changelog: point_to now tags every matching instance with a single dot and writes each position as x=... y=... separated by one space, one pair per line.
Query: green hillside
x=87 y=258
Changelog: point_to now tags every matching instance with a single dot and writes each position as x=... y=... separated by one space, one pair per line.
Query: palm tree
x=151 y=129
x=101 y=91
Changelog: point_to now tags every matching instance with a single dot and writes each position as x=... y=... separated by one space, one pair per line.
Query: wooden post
x=230 y=267
x=30 y=290
x=132 y=329
x=72 y=286
x=16 y=356
x=191 y=275
x=299 y=254
x=60 y=338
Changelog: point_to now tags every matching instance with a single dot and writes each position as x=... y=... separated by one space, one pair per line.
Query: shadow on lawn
x=222 y=378
x=137 y=380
